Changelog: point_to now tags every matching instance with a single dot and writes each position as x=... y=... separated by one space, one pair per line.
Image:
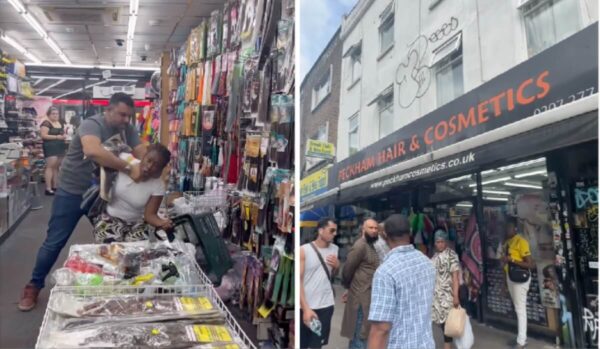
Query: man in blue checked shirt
x=402 y=293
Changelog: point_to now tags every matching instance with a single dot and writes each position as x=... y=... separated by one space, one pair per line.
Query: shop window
x=449 y=78
x=519 y=190
x=322 y=90
x=386 y=114
x=353 y=134
x=386 y=30
x=548 y=22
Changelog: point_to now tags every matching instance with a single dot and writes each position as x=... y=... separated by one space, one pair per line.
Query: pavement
x=485 y=336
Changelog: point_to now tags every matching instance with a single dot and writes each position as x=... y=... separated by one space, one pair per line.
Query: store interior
x=213 y=80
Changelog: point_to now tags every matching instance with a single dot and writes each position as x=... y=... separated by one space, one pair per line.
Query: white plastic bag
x=467 y=339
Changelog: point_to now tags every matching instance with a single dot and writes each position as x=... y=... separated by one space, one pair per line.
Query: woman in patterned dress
x=445 y=294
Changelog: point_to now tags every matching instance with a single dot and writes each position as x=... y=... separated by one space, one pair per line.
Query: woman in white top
x=131 y=215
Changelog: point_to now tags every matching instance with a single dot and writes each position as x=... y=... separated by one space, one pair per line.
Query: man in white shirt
x=318 y=264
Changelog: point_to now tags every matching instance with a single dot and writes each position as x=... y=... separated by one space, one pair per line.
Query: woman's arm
x=455 y=286
x=151 y=214
x=44 y=134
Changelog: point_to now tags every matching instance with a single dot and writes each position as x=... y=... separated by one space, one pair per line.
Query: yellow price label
x=211 y=334
x=193 y=305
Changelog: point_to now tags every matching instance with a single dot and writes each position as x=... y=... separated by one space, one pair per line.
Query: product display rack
x=20 y=160
x=230 y=114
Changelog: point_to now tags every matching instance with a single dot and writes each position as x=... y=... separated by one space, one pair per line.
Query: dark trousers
x=66 y=213
x=309 y=339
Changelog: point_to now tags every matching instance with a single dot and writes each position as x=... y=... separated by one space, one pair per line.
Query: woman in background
x=53 y=135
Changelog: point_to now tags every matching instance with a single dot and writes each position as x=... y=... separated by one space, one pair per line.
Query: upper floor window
x=548 y=22
x=353 y=134
x=322 y=89
x=386 y=29
x=355 y=66
x=385 y=107
x=449 y=78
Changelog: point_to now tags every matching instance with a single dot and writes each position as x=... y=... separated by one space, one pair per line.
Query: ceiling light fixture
x=497 y=192
x=51 y=86
x=61 y=77
x=491 y=198
x=22 y=10
x=20 y=48
x=133 y=13
x=464 y=205
x=39 y=80
x=458 y=179
x=532 y=173
x=80 y=89
x=87 y=66
x=496 y=180
x=521 y=164
x=523 y=185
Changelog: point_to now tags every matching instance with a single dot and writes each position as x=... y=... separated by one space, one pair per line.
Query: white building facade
x=403 y=59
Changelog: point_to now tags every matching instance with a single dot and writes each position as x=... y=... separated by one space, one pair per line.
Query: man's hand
x=166 y=225
x=135 y=173
x=61 y=137
x=345 y=297
x=333 y=261
x=307 y=316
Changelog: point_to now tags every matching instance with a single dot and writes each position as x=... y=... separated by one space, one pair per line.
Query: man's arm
x=308 y=313
x=353 y=260
x=93 y=149
x=379 y=335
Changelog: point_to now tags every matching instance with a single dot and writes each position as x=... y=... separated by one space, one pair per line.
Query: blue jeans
x=66 y=213
x=357 y=342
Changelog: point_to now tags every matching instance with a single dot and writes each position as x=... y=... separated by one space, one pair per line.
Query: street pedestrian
x=517 y=256
x=318 y=266
x=357 y=277
x=447 y=282
x=402 y=293
x=76 y=177
x=381 y=245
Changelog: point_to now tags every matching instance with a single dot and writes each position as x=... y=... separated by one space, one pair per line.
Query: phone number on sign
x=572 y=98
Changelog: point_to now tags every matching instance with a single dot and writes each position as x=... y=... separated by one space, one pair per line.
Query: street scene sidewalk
x=485 y=336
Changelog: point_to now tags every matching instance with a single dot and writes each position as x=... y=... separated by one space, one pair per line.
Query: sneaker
x=29 y=298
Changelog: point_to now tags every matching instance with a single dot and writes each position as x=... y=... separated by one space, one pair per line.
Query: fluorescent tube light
x=35 y=24
x=496 y=180
x=51 y=86
x=496 y=192
x=134 y=6
x=458 y=179
x=491 y=198
x=131 y=26
x=532 y=173
x=87 y=66
x=523 y=185
x=17 y=5
x=20 y=48
x=464 y=205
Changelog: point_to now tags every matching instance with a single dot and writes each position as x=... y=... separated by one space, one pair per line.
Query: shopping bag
x=467 y=339
x=455 y=324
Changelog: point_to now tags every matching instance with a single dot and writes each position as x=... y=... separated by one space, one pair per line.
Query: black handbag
x=92 y=204
x=517 y=274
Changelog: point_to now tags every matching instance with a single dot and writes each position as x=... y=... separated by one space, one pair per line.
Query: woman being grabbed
x=132 y=213
x=53 y=135
x=445 y=294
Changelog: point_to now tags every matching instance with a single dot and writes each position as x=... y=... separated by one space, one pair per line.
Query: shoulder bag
x=324 y=267
x=516 y=273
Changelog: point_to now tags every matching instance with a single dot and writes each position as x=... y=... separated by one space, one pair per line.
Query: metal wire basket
x=50 y=321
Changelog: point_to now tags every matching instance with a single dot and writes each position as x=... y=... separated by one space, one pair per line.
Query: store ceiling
x=87 y=32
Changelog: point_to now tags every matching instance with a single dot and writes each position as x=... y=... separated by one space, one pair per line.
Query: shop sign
x=320 y=149
x=560 y=75
x=314 y=184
